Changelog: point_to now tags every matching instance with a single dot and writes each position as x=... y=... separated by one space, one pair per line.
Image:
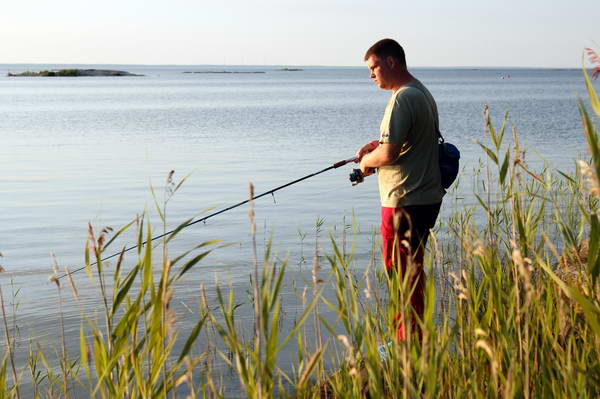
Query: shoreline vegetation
x=515 y=312
x=72 y=72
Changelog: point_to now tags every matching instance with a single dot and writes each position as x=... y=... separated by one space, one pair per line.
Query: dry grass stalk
x=72 y=283
x=9 y=347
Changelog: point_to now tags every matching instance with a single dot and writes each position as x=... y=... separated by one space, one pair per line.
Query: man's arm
x=384 y=154
x=365 y=149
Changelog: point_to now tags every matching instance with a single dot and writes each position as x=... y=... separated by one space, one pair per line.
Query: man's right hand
x=365 y=170
x=365 y=149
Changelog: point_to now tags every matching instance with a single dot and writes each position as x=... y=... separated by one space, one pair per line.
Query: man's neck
x=402 y=80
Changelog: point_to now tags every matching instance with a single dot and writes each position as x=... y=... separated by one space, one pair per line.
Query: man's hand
x=366 y=171
x=365 y=149
x=377 y=156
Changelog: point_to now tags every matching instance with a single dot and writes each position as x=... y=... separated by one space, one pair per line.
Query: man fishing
x=406 y=157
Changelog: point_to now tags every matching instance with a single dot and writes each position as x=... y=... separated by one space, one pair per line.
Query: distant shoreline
x=71 y=73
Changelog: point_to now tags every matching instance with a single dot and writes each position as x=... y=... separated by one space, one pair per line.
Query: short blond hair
x=387 y=48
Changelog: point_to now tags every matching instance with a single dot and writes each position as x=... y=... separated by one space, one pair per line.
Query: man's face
x=380 y=72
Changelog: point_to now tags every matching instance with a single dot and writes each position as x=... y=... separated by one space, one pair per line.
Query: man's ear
x=391 y=61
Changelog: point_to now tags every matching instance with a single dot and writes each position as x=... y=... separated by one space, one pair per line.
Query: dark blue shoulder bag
x=449 y=161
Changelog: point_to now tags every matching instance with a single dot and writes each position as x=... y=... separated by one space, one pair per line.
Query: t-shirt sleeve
x=400 y=121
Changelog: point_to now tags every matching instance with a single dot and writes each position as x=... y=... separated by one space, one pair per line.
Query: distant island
x=74 y=72
x=290 y=69
x=224 y=72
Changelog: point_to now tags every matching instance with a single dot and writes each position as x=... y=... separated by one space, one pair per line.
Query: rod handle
x=344 y=162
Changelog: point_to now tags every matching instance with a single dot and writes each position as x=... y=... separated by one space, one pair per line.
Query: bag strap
x=433 y=111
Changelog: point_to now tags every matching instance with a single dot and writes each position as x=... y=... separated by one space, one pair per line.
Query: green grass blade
x=593 y=96
x=504 y=167
x=189 y=264
x=192 y=338
x=179 y=228
x=590 y=311
x=488 y=151
x=594 y=249
x=125 y=287
x=204 y=244
x=119 y=232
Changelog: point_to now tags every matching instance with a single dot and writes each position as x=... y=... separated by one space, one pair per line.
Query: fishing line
x=334 y=166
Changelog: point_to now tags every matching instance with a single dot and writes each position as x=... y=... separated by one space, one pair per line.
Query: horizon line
x=295 y=65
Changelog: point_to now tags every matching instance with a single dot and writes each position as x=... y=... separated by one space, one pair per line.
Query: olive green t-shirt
x=411 y=120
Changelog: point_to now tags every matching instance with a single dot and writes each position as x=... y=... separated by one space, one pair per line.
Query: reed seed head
x=53 y=279
x=589 y=178
x=480 y=333
x=71 y=283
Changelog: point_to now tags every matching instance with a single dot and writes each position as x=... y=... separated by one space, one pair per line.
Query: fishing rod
x=334 y=166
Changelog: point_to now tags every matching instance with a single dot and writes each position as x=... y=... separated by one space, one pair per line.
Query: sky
x=492 y=33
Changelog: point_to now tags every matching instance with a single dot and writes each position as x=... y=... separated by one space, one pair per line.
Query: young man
x=406 y=156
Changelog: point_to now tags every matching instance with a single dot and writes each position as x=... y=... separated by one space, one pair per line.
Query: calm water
x=79 y=150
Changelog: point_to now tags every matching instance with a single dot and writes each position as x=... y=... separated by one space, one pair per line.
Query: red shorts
x=404 y=233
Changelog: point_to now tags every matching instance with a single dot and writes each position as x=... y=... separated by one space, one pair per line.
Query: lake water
x=79 y=150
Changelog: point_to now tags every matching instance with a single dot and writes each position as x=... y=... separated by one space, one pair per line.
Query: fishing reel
x=356 y=177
